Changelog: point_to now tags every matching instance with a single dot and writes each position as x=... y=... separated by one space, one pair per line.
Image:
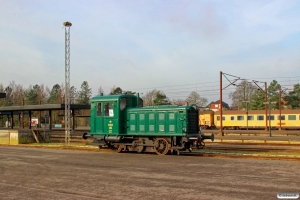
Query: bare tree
x=242 y=93
x=155 y=97
x=14 y=94
x=178 y=102
x=149 y=97
x=43 y=95
x=195 y=98
x=19 y=95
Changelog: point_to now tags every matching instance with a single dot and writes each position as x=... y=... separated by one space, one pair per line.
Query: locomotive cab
x=108 y=113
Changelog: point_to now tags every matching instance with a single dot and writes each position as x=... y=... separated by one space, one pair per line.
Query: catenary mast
x=67 y=82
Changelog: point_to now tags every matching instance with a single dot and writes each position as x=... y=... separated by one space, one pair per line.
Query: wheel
x=161 y=146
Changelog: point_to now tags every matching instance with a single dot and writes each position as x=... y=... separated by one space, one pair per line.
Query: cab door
x=110 y=117
x=99 y=118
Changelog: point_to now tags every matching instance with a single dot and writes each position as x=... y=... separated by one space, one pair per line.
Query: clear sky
x=176 y=46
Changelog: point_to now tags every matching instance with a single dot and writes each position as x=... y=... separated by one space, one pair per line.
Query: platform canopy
x=43 y=107
x=11 y=110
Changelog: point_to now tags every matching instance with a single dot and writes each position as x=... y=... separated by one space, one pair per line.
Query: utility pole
x=221 y=96
x=67 y=82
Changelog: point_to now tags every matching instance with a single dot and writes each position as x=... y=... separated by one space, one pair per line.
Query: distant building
x=215 y=105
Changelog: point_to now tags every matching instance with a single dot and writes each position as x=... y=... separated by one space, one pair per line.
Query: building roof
x=42 y=107
x=225 y=105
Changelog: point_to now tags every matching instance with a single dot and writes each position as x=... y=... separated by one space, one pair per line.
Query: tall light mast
x=67 y=83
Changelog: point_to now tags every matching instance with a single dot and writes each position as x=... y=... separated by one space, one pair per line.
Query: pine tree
x=84 y=95
x=55 y=94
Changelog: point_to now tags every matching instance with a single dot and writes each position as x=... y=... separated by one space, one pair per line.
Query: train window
x=282 y=117
x=240 y=117
x=123 y=103
x=291 y=117
x=271 y=117
x=250 y=117
x=99 y=110
x=232 y=118
x=109 y=109
x=260 y=117
x=223 y=118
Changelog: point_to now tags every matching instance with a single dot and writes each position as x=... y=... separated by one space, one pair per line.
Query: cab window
x=99 y=110
x=123 y=103
x=109 y=109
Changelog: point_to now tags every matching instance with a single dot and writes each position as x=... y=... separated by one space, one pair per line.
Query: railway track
x=216 y=149
x=275 y=152
x=254 y=132
x=254 y=148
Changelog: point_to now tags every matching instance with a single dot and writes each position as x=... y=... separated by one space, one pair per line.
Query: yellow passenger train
x=255 y=119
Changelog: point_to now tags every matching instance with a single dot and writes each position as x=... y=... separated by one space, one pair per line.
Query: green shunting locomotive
x=121 y=123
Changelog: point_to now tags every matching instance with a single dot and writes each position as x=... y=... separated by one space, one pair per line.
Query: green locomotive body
x=121 y=123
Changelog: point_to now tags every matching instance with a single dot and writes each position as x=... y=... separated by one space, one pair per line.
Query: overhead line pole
x=67 y=82
x=221 y=105
x=279 y=104
x=221 y=97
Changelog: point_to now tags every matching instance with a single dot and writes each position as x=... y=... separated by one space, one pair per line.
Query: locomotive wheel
x=161 y=146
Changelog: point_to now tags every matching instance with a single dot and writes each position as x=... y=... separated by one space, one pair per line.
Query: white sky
x=176 y=46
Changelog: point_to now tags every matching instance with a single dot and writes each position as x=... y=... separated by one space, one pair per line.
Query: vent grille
x=192 y=121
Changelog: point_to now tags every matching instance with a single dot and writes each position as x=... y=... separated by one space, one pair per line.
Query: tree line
x=36 y=94
x=254 y=96
x=245 y=94
x=16 y=94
